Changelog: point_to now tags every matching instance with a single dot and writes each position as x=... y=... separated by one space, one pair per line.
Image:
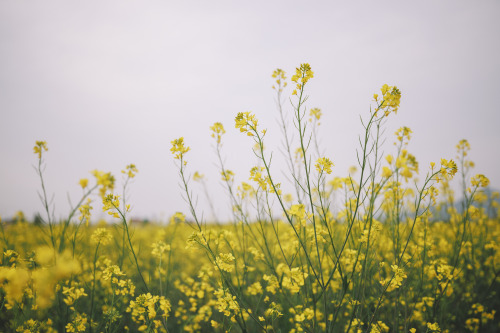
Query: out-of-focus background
x=108 y=83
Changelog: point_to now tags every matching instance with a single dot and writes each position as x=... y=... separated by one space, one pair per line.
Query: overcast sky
x=108 y=83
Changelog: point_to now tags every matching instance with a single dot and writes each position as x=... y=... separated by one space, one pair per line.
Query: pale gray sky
x=108 y=83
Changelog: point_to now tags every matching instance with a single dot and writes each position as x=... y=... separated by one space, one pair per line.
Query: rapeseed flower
x=246 y=122
x=302 y=75
x=217 y=131
x=178 y=148
x=39 y=147
x=130 y=171
x=323 y=164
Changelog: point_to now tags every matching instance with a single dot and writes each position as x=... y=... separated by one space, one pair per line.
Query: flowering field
x=375 y=251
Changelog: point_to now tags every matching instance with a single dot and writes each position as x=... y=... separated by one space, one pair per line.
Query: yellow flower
x=391 y=98
x=255 y=289
x=298 y=211
x=178 y=148
x=379 y=327
x=39 y=147
x=280 y=77
x=110 y=204
x=159 y=248
x=78 y=324
x=448 y=167
x=434 y=327
x=227 y=175
x=72 y=294
x=105 y=180
x=246 y=122
x=256 y=176
x=324 y=164
x=397 y=279
x=389 y=159
x=178 y=217
x=83 y=182
x=85 y=211
x=217 y=131
x=402 y=133
x=386 y=172
x=130 y=170
x=225 y=262
x=479 y=181
x=102 y=236
x=198 y=176
x=315 y=113
x=144 y=309
x=226 y=303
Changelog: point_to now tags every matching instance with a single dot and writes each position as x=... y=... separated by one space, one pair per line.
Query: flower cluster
x=120 y=285
x=84 y=182
x=246 y=122
x=225 y=262
x=391 y=99
x=72 y=294
x=79 y=324
x=403 y=133
x=479 y=180
x=145 y=309
x=197 y=177
x=302 y=75
x=39 y=147
x=178 y=148
x=130 y=171
x=397 y=279
x=110 y=204
x=315 y=114
x=227 y=175
x=159 y=248
x=226 y=303
x=324 y=164
x=280 y=77
x=101 y=236
x=178 y=217
x=85 y=212
x=105 y=181
x=448 y=167
x=217 y=131
x=264 y=182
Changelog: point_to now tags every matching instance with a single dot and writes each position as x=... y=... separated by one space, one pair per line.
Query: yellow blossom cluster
x=227 y=303
x=130 y=171
x=227 y=175
x=264 y=182
x=479 y=181
x=101 y=236
x=145 y=309
x=315 y=113
x=396 y=280
x=217 y=131
x=110 y=204
x=85 y=212
x=178 y=148
x=301 y=76
x=224 y=262
x=323 y=164
x=246 y=122
x=39 y=147
x=280 y=77
x=105 y=181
